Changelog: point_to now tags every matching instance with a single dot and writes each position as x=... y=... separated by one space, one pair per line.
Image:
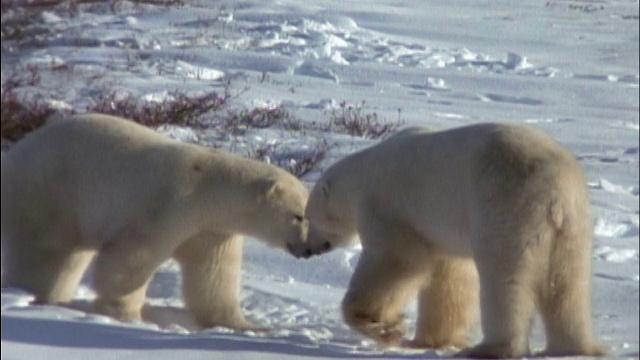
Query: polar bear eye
x=298 y=218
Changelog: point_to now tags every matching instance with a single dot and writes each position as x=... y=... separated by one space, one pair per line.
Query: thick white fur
x=427 y=206
x=104 y=187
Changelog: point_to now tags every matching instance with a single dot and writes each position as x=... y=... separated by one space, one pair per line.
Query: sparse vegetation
x=353 y=120
x=20 y=113
x=298 y=163
x=19 y=119
x=301 y=166
x=24 y=109
x=177 y=108
x=22 y=20
x=71 y=5
x=237 y=122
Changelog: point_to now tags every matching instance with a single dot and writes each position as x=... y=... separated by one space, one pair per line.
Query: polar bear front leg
x=123 y=270
x=211 y=273
x=449 y=305
x=378 y=294
x=393 y=265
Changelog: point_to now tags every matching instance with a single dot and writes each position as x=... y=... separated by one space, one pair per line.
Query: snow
x=569 y=67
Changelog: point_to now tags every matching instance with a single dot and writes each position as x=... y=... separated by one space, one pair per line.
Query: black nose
x=307 y=253
x=326 y=246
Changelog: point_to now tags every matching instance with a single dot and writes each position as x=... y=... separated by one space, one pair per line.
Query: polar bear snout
x=323 y=248
x=300 y=251
x=306 y=251
x=326 y=246
x=318 y=242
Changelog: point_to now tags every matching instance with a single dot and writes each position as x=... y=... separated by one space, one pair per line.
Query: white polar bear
x=428 y=205
x=104 y=187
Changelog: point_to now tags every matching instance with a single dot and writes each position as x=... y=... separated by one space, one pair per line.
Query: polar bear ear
x=273 y=188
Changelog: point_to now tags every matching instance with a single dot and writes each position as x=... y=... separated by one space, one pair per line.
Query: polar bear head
x=331 y=218
x=279 y=213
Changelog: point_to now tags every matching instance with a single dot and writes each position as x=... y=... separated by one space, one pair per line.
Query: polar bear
x=436 y=212
x=105 y=187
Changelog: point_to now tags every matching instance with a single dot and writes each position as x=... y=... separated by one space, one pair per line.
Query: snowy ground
x=569 y=67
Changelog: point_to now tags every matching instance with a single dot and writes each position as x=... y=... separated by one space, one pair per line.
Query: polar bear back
x=441 y=170
x=90 y=161
x=52 y=158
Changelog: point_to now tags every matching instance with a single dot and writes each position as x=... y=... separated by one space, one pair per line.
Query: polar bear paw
x=385 y=333
x=432 y=344
x=493 y=351
x=117 y=309
x=591 y=349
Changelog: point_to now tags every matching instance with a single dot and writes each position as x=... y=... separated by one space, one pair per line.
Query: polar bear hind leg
x=123 y=270
x=211 y=273
x=66 y=272
x=448 y=305
x=531 y=224
x=508 y=283
x=48 y=264
x=511 y=245
x=565 y=300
